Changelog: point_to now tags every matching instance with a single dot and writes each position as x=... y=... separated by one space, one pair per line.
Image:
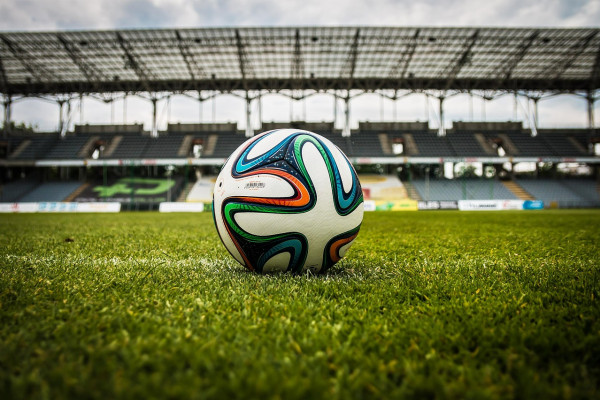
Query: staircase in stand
x=517 y=190
x=77 y=192
x=184 y=193
x=411 y=191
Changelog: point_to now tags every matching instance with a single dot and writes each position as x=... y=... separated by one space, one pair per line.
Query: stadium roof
x=319 y=58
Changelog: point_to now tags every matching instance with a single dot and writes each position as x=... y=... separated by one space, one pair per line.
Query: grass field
x=428 y=304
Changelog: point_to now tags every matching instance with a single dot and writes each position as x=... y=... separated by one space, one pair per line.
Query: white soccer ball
x=287 y=200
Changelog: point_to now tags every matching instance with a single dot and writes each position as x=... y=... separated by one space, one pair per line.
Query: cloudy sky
x=36 y=15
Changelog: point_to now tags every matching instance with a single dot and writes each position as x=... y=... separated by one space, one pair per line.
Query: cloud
x=109 y=14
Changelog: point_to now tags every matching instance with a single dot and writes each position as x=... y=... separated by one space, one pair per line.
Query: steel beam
x=590 y=110
x=442 y=127
x=188 y=57
x=351 y=61
x=514 y=59
x=86 y=69
x=3 y=80
x=132 y=62
x=242 y=58
x=249 y=131
x=7 y=109
x=36 y=71
x=595 y=74
x=453 y=69
x=556 y=69
x=297 y=63
x=401 y=68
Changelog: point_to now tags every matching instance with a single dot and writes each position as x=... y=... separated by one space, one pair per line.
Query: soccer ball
x=287 y=200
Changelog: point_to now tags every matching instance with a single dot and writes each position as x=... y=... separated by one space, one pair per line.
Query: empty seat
x=51 y=191
x=467 y=189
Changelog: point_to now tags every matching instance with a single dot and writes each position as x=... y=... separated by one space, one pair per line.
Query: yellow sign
x=396 y=205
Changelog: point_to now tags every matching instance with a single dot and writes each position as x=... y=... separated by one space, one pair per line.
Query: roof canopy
x=319 y=58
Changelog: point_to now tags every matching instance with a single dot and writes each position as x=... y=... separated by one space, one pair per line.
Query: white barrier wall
x=493 y=205
x=180 y=207
x=60 y=207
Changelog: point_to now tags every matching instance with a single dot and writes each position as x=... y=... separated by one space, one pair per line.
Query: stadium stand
x=163 y=146
x=34 y=147
x=67 y=148
x=585 y=188
x=527 y=145
x=565 y=193
x=13 y=191
x=227 y=143
x=366 y=144
x=51 y=191
x=465 y=144
x=467 y=189
x=100 y=129
x=370 y=140
x=563 y=145
x=130 y=147
x=431 y=145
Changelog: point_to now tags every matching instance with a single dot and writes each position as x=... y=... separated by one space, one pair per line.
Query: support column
x=154 y=132
x=346 y=129
x=7 y=110
x=112 y=111
x=214 y=109
x=80 y=108
x=65 y=124
x=590 y=110
x=515 y=108
x=335 y=109
x=442 y=128
x=200 y=107
x=536 y=115
x=61 y=120
x=470 y=106
x=125 y=110
x=260 y=110
x=484 y=109
x=534 y=125
x=303 y=107
x=249 y=131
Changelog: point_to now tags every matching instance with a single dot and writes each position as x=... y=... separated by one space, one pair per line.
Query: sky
x=44 y=15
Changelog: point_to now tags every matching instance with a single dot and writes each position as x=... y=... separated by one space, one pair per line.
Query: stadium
x=440 y=302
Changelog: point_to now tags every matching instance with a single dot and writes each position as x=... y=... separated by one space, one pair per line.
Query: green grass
x=428 y=304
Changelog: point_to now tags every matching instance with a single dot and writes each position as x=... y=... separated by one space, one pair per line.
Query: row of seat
x=468 y=189
x=566 y=192
x=360 y=144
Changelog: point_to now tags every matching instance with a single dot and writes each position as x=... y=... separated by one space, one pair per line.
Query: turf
x=428 y=304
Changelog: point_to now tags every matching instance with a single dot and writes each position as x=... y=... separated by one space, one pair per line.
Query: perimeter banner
x=393 y=205
x=180 y=207
x=132 y=190
x=60 y=207
x=438 y=205
x=490 y=205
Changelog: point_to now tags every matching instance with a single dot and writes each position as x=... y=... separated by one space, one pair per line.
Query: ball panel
x=343 y=164
x=267 y=142
x=276 y=262
x=260 y=185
